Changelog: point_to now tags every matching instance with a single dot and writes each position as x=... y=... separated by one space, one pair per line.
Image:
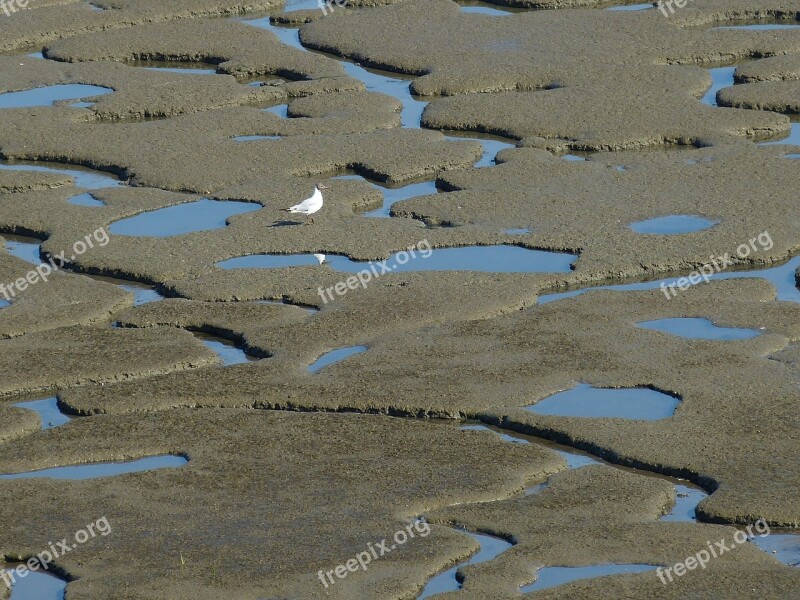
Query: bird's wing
x=304 y=205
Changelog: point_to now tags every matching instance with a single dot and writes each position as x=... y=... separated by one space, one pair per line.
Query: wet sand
x=534 y=393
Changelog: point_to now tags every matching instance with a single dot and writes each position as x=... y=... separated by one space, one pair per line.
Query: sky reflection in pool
x=201 y=215
x=672 y=225
x=334 y=356
x=488 y=259
x=585 y=400
x=105 y=469
x=698 y=329
x=49 y=95
x=548 y=577
x=48 y=411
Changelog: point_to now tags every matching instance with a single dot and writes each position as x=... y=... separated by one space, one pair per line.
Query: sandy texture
x=407 y=154
x=778 y=96
x=474 y=368
x=48 y=21
x=284 y=479
x=62 y=300
x=552 y=96
x=16 y=423
x=558 y=527
x=266 y=500
x=236 y=48
x=61 y=358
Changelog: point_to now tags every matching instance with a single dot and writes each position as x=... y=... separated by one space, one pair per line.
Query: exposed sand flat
x=610 y=135
x=48 y=21
x=236 y=48
x=60 y=358
x=551 y=528
x=207 y=137
x=16 y=423
x=773 y=68
x=778 y=96
x=22 y=182
x=261 y=471
x=575 y=73
x=475 y=368
x=140 y=92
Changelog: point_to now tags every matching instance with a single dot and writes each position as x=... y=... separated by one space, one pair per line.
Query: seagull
x=311 y=205
x=320 y=258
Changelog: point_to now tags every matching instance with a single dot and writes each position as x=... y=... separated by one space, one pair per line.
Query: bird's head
x=322 y=187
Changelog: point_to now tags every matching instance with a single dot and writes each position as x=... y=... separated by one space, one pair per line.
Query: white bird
x=321 y=259
x=310 y=205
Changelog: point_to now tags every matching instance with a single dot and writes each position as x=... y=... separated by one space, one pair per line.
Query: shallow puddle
x=487 y=259
x=84 y=178
x=482 y=9
x=504 y=436
x=23 y=247
x=686 y=500
x=48 y=96
x=548 y=577
x=201 y=215
x=253 y=138
x=491 y=548
x=391 y=84
x=587 y=401
x=784 y=547
x=49 y=412
x=721 y=77
x=107 y=469
x=35 y=585
x=227 y=350
x=142 y=294
x=491 y=144
x=627 y=7
x=782 y=277
x=391 y=195
x=698 y=329
x=281 y=110
x=334 y=356
x=792 y=139
x=86 y=200
x=756 y=27
x=673 y=225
